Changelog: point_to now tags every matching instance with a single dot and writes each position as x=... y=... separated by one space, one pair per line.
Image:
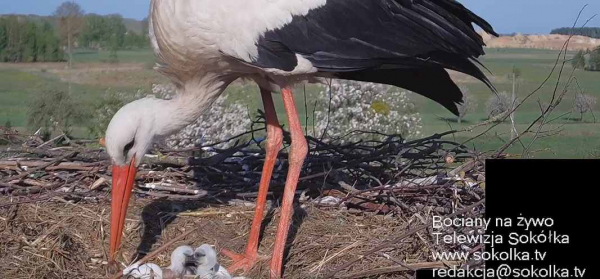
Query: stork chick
x=182 y=263
x=207 y=265
x=145 y=271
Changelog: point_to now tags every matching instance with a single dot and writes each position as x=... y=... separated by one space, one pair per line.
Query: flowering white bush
x=221 y=122
x=369 y=107
x=163 y=91
x=584 y=103
x=499 y=104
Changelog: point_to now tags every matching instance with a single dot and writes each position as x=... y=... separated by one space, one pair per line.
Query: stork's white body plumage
x=211 y=30
x=204 y=45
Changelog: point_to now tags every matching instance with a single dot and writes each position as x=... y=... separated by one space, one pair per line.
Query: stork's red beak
x=122 y=185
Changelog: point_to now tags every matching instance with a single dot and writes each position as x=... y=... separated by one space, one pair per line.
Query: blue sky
x=507 y=16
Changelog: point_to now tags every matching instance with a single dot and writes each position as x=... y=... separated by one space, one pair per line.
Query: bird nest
x=363 y=209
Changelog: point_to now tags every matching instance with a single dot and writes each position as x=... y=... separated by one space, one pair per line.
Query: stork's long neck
x=193 y=99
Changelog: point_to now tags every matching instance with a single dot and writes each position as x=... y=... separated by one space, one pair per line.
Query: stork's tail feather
x=463 y=65
x=432 y=82
x=469 y=16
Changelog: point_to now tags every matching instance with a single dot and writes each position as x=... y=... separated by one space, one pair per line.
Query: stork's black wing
x=406 y=43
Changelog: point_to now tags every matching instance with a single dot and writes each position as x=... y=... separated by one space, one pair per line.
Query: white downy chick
x=208 y=267
x=145 y=271
x=181 y=258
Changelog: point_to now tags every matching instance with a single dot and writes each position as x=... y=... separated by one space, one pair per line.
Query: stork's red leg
x=247 y=260
x=298 y=151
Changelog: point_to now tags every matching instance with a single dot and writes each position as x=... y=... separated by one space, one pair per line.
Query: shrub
x=54 y=111
x=221 y=122
x=579 y=60
x=365 y=107
x=498 y=105
x=592 y=60
x=584 y=103
x=105 y=109
x=8 y=124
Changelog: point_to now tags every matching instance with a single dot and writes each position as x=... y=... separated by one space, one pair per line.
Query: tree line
x=592 y=32
x=94 y=31
x=588 y=60
x=22 y=40
x=26 y=40
x=110 y=32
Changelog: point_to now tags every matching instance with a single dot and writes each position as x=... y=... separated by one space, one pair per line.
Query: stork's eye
x=128 y=147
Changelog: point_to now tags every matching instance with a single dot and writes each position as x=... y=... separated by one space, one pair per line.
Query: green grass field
x=92 y=78
x=124 y=56
x=576 y=140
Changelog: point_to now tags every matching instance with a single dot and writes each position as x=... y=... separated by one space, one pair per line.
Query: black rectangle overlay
x=551 y=205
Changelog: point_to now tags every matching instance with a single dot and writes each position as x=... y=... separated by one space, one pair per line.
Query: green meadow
x=92 y=77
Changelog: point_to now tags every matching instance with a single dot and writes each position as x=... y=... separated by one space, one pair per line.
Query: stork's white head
x=128 y=137
x=132 y=131
x=138 y=124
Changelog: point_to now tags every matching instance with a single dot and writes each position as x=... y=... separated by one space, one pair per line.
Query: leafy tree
x=593 y=63
x=3 y=36
x=53 y=51
x=30 y=47
x=45 y=37
x=26 y=41
x=70 y=19
x=116 y=30
x=135 y=40
x=145 y=27
x=114 y=47
x=14 y=46
x=579 y=60
x=94 y=31
x=108 y=32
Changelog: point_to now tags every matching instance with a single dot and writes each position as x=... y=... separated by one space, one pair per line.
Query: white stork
x=204 y=45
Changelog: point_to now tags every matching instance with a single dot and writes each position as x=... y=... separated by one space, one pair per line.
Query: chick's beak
x=122 y=185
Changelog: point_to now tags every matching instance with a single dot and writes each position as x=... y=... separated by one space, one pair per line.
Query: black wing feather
x=276 y=53
x=384 y=41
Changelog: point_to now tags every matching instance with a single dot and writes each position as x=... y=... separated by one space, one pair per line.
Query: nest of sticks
x=363 y=210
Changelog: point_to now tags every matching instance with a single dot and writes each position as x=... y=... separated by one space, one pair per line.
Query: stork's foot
x=113 y=267
x=244 y=261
